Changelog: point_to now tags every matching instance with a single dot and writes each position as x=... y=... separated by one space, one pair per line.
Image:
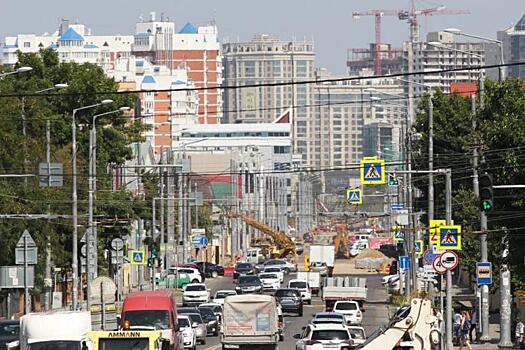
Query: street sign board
x=484 y=272
x=429 y=256
x=433 y=229
x=13 y=277
x=103 y=287
x=449 y=260
x=419 y=247
x=137 y=257
x=196 y=199
x=32 y=255
x=117 y=244
x=354 y=196
x=404 y=262
x=398 y=233
x=53 y=172
x=449 y=237
x=199 y=241
x=438 y=266
x=372 y=171
x=397 y=206
x=28 y=240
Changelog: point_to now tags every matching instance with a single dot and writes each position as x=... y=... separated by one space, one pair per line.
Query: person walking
x=519 y=333
x=464 y=331
x=456 y=330
x=473 y=326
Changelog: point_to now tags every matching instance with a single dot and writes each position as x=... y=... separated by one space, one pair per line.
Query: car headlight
x=186 y=333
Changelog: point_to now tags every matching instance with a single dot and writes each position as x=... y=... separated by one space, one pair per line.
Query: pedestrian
x=457 y=325
x=473 y=325
x=519 y=336
x=464 y=331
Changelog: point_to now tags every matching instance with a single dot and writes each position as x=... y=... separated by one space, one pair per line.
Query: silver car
x=319 y=267
x=199 y=327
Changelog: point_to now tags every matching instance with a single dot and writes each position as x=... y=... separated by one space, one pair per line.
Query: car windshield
x=195 y=318
x=275 y=262
x=243 y=266
x=346 y=306
x=122 y=344
x=148 y=318
x=356 y=333
x=184 y=322
x=286 y=293
x=248 y=279
x=330 y=334
x=298 y=285
x=222 y=295
x=60 y=345
x=195 y=288
x=206 y=313
x=317 y=264
x=9 y=329
x=268 y=275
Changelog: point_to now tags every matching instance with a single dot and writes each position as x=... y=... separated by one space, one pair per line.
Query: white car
x=195 y=293
x=329 y=318
x=277 y=270
x=195 y=275
x=324 y=337
x=270 y=280
x=188 y=334
x=358 y=334
x=351 y=310
x=220 y=295
x=303 y=287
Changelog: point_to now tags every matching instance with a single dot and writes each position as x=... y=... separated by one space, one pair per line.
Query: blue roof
x=10 y=46
x=148 y=79
x=178 y=82
x=90 y=46
x=71 y=34
x=53 y=46
x=188 y=28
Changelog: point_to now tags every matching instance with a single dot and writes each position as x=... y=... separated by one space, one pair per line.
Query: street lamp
x=501 y=69
x=19 y=70
x=91 y=186
x=74 y=196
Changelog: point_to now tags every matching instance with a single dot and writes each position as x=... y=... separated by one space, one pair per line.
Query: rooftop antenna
x=214 y=17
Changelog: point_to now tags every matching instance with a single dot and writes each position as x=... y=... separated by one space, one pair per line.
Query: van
x=153 y=310
x=254 y=256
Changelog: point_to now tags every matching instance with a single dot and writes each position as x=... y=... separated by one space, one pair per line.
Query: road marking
x=214 y=347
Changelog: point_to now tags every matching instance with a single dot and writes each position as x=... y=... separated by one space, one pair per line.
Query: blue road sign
x=372 y=171
x=138 y=257
x=199 y=241
x=404 y=262
x=449 y=237
x=429 y=256
x=353 y=196
x=484 y=272
x=396 y=206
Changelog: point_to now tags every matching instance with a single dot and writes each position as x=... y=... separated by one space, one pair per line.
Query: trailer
x=344 y=288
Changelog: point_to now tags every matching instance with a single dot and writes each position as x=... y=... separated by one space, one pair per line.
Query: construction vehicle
x=125 y=340
x=414 y=326
x=341 y=244
x=283 y=243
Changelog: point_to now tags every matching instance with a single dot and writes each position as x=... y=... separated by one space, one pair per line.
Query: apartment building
x=513 y=40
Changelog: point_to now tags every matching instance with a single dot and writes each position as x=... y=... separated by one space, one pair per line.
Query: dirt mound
x=370 y=253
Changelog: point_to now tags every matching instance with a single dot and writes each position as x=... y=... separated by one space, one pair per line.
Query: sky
x=328 y=22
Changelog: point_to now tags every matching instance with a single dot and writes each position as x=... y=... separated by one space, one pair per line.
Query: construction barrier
x=228 y=271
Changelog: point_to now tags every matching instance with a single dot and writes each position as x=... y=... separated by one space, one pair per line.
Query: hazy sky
x=328 y=22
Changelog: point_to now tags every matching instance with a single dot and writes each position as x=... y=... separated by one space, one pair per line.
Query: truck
x=125 y=340
x=250 y=322
x=313 y=279
x=344 y=288
x=55 y=330
x=323 y=254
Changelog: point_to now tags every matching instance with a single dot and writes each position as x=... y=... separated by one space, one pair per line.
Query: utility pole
x=48 y=280
x=448 y=211
x=505 y=295
x=430 y=159
x=162 y=232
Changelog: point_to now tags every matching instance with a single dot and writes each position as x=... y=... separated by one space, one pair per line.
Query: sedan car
x=328 y=318
x=351 y=310
x=217 y=310
x=210 y=269
x=243 y=269
x=195 y=293
x=9 y=332
x=290 y=300
x=199 y=327
x=277 y=270
x=172 y=280
x=324 y=336
x=249 y=284
x=270 y=280
x=220 y=295
x=209 y=317
x=319 y=267
x=285 y=265
x=299 y=248
x=189 y=338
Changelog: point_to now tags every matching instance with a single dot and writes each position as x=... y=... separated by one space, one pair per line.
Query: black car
x=249 y=285
x=9 y=332
x=243 y=269
x=290 y=300
x=210 y=269
x=209 y=317
x=187 y=310
x=299 y=248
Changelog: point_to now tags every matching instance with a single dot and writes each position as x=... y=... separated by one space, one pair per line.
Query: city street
x=375 y=315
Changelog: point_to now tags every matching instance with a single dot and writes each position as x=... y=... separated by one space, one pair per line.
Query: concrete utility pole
x=430 y=159
x=448 y=211
x=162 y=251
x=506 y=297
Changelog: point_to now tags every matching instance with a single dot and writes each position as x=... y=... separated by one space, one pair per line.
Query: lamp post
x=74 y=198
x=17 y=71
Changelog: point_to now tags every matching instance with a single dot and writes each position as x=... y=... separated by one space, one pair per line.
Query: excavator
x=341 y=244
x=282 y=242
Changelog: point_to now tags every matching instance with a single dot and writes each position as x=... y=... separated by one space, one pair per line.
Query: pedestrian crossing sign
x=354 y=196
x=373 y=171
x=449 y=238
x=419 y=247
x=399 y=233
x=137 y=257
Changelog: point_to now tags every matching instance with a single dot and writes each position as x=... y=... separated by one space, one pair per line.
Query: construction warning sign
x=433 y=230
x=354 y=196
x=373 y=171
x=449 y=237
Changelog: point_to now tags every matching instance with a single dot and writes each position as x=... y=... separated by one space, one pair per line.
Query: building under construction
x=360 y=59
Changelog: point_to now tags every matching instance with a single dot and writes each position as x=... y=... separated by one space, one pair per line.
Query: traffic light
x=150 y=262
x=392 y=180
x=154 y=252
x=486 y=193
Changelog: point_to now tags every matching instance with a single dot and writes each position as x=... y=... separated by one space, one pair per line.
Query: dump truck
x=250 y=322
x=344 y=288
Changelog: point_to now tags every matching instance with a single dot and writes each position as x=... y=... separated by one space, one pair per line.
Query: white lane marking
x=214 y=347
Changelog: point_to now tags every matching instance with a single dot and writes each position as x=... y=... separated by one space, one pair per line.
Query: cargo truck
x=344 y=288
x=323 y=254
x=313 y=279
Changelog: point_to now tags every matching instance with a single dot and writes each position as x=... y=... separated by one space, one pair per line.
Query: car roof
x=324 y=313
x=330 y=326
x=347 y=302
x=183 y=316
x=196 y=284
x=225 y=291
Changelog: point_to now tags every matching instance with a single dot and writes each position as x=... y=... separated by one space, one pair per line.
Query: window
x=249 y=69
x=27 y=44
x=281 y=149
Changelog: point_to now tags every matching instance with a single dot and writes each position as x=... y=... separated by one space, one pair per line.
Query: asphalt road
x=375 y=311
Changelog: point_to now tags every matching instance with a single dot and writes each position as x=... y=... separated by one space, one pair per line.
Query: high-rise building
x=359 y=59
x=513 y=40
x=263 y=60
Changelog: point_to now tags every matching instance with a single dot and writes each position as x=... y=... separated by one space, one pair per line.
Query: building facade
x=265 y=60
x=513 y=40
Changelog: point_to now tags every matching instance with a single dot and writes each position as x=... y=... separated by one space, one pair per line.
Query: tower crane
x=410 y=16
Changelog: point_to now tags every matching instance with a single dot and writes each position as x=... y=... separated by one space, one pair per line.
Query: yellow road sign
x=137 y=257
x=354 y=196
x=449 y=237
x=433 y=231
x=307 y=262
x=373 y=171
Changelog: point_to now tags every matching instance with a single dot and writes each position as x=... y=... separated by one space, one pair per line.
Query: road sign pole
x=26 y=289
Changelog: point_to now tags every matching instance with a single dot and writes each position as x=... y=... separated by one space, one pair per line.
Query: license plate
x=231 y=346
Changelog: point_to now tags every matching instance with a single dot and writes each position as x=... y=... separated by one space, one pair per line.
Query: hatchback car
x=283 y=264
x=209 y=317
x=351 y=310
x=290 y=300
x=324 y=336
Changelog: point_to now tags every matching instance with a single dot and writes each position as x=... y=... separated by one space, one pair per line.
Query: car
x=351 y=310
x=172 y=280
x=195 y=275
x=290 y=300
x=199 y=327
x=241 y=269
x=195 y=293
x=220 y=295
x=270 y=280
x=249 y=285
x=324 y=336
x=285 y=265
x=320 y=267
x=277 y=270
x=303 y=287
x=329 y=318
x=9 y=332
x=299 y=248
x=210 y=269
x=216 y=308
x=188 y=333
x=358 y=334
x=209 y=317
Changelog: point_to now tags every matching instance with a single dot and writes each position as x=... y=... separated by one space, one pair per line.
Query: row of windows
x=236 y=134
x=281 y=149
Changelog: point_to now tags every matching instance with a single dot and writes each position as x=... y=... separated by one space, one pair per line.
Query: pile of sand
x=371 y=253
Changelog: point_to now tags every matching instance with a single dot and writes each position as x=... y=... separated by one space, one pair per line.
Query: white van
x=254 y=256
